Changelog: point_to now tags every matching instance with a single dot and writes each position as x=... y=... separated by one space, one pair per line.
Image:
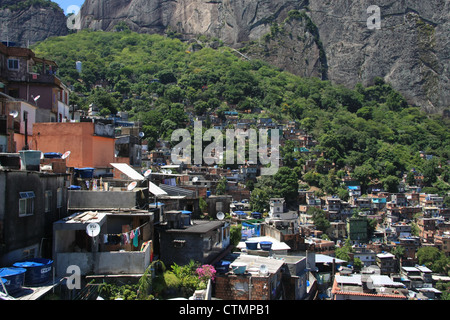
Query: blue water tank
x=38 y=270
x=251 y=245
x=85 y=173
x=52 y=155
x=223 y=266
x=256 y=215
x=265 y=245
x=14 y=279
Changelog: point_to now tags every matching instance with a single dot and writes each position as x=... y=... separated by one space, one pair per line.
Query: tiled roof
x=336 y=290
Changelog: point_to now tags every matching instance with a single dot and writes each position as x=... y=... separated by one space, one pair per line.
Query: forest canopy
x=160 y=80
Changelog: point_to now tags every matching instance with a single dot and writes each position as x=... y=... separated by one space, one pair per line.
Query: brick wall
x=236 y=287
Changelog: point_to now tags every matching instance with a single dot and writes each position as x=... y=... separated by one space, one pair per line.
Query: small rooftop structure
x=254 y=264
x=278 y=247
x=112 y=250
x=367 y=287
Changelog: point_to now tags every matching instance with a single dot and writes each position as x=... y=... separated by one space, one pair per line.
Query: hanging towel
x=131 y=234
x=136 y=236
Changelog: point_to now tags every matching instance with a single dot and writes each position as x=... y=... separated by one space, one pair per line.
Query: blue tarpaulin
x=255 y=230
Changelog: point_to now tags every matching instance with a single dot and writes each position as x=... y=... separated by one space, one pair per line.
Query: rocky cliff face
x=331 y=39
x=27 y=24
x=233 y=21
x=411 y=49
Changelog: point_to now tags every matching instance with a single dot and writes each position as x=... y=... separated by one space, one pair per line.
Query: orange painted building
x=90 y=144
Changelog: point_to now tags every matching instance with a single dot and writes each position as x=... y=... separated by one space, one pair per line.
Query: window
x=13 y=64
x=26 y=203
x=207 y=244
x=48 y=195
x=179 y=243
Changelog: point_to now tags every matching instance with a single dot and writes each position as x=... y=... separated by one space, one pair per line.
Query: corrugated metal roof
x=177 y=191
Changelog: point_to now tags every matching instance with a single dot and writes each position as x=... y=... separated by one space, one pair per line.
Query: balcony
x=43 y=79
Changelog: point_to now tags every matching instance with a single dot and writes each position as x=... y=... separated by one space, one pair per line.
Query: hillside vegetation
x=370 y=132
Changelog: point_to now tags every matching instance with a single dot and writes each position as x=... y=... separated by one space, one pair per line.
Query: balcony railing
x=43 y=78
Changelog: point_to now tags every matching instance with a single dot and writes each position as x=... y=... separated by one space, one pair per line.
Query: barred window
x=26 y=203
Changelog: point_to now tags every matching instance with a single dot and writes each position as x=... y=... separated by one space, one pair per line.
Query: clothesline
x=123 y=237
x=125 y=232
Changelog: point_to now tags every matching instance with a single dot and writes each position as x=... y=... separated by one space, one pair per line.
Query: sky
x=65 y=4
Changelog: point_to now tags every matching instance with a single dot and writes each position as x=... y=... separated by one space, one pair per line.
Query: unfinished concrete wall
x=114 y=262
x=84 y=199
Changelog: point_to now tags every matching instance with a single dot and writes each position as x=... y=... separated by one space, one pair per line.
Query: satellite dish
x=147 y=173
x=93 y=229
x=169 y=171
x=132 y=185
x=141 y=134
x=194 y=179
x=164 y=171
x=14 y=113
x=220 y=215
x=36 y=98
x=65 y=155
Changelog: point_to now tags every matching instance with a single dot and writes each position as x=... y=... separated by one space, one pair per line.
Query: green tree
x=430 y=172
x=259 y=198
x=123 y=86
x=235 y=234
x=433 y=258
x=390 y=184
x=288 y=183
x=357 y=264
x=174 y=93
x=221 y=186
x=343 y=252
x=364 y=174
x=319 y=218
x=103 y=99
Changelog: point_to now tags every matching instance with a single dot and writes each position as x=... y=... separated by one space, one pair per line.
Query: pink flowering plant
x=205 y=272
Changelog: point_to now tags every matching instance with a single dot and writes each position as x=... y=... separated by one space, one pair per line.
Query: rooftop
x=255 y=262
x=198 y=226
x=381 y=286
x=276 y=245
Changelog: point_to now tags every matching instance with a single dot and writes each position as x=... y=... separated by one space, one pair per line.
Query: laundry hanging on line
x=122 y=238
